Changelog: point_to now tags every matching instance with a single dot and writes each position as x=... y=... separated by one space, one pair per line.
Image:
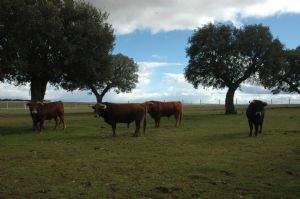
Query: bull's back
x=170 y=108
x=125 y=113
x=53 y=109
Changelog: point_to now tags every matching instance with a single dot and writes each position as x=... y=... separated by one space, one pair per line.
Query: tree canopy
x=122 y=77
x=53 y=41
x=225 y=56
x=284 y=76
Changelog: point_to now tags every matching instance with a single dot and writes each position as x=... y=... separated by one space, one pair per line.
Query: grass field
x=209 y=156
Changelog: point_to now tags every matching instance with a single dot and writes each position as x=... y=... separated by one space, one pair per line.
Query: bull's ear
x=93 y=107
x=28 y=104
x=265 y=103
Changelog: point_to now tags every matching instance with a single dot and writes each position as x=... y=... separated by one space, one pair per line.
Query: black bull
x=255 y=114
x=122 y=113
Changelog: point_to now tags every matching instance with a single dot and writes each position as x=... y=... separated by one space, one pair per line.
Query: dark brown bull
x=255 y=114
x=158 y=109
x=122 y=113
x=46 y=111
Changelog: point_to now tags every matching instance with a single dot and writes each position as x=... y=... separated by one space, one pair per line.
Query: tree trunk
x=99 y=97
x=229 y=104
x=38 y=89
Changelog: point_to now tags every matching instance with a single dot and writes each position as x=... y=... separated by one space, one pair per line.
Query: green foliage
x=122 y=77
x=91 y=41
x=209 y=156
x=225 y=56
x=31 y=39
x=284 y=76
x=56 y=41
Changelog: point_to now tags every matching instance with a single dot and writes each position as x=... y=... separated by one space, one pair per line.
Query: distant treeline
x=14 y=100
x=18 y=100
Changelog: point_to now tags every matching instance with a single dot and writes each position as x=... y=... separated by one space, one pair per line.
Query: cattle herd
x=114 y=113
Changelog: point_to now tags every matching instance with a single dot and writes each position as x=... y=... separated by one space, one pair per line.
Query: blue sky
x=155 y=35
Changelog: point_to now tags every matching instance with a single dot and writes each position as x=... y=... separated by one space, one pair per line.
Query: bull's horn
x=103 y=106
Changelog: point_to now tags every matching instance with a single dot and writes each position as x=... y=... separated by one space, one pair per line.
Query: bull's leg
x=145 y=124
x=251 y=127
x=35 y=123
x=158 y=122
x=56 y=123
x=256 y=128
x=180 y=117
x=155 y=121
x=261 y=125
x=41 y=126
x=62 y=119
x=177 y=119
x=114 y=129
x=137 y=128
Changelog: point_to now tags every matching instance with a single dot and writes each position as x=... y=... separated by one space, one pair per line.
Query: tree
x=47 y=41
x=225 y=56
x=285 y=76
x=31 y=40
x=122 y=77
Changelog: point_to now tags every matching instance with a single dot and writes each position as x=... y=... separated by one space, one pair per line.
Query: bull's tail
x=145 y=123
x=145 y=117
x=180 y=117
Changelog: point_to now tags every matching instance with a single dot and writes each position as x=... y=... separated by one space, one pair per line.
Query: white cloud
x=13 y=92
x=157 y=56
x=150 y=65
x=146 y=69
x=127 y=16
x=171 y=78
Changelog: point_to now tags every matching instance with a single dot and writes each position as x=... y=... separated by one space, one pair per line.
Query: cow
x=113 y=113
x=255 y=114
x=40 y=112
x=158 y=109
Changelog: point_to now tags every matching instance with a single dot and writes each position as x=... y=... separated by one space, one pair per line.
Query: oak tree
x=225 y=56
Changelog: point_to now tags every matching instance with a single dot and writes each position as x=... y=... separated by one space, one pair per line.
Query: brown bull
x=46 y=111
x=158 y=109
x=122 y=113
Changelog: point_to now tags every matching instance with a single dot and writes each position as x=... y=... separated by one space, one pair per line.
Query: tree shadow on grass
x=4 y=131
x=93 y=136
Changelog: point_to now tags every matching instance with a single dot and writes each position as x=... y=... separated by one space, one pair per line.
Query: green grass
x=209 y=156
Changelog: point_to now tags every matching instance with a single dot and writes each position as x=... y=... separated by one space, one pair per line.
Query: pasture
x=209 y=156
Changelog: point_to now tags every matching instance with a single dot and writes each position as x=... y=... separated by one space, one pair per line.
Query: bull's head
x=258 y=107
x=34 y=107
x=149 y=105
x=98 y=108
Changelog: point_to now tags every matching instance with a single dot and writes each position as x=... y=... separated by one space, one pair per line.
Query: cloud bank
x=127 y=16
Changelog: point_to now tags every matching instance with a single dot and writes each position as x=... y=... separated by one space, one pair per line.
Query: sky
x=155 y=34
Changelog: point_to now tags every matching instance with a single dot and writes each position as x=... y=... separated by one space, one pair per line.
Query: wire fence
x=22 y=105
x=86 y=105
x=237 y=101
